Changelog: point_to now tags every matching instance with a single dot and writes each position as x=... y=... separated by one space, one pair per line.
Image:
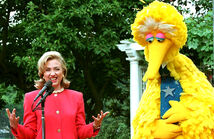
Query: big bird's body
x=192 y=117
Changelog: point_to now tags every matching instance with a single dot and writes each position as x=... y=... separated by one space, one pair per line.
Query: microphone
x=48 y=92
x=47 y=85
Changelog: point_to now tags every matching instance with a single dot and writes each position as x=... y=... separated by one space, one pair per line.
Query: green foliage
x=10 y=95
x=114 y=128
x=200 y=35
x=116 y=125
x=186 y=7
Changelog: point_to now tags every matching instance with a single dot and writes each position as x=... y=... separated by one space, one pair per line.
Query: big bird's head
x=159 y=28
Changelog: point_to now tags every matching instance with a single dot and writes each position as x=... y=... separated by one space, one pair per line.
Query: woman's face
x=54 y=72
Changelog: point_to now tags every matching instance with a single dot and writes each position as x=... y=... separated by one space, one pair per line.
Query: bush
x=9 y=96
x=116 y=125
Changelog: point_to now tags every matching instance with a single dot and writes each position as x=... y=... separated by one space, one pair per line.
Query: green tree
x=200 y=35
x=9 y=95
x=13 y=42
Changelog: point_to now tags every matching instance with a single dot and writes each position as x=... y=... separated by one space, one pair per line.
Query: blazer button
x=57 y=112
x=58 y=130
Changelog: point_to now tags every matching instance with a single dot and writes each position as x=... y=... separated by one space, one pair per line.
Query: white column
x=135 y=76
x=134 y=90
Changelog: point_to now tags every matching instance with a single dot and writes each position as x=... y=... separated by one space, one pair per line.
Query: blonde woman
x=64 y=108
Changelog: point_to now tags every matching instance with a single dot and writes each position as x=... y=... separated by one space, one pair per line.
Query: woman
x=64 y=108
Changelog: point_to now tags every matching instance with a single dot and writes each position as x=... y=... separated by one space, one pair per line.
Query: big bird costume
x=178 y=101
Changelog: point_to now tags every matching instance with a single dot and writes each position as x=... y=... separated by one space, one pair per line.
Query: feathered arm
x=147 y=123
x=197 y=98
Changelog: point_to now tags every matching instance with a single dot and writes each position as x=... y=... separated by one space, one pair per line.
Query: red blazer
x=64 y=117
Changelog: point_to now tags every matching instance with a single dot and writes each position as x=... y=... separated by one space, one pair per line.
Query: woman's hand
x=98 y=121
x=14 y=121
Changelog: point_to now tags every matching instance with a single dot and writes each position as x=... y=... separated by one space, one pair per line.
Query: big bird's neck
x=182 y=68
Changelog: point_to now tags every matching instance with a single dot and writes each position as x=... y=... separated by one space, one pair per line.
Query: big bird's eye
x=149 y=38
x=160 y=37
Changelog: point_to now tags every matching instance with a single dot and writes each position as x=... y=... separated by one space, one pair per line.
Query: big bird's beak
x=157 y=52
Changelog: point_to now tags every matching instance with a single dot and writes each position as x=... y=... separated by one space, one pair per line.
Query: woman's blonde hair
x=41 y=67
